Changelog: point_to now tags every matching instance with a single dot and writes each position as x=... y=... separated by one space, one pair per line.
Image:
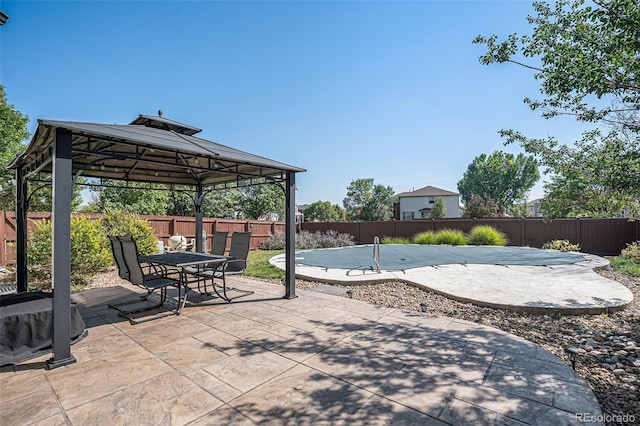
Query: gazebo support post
x=290 y=237
x=198 y=207
x=21 y=231
x=61 y=255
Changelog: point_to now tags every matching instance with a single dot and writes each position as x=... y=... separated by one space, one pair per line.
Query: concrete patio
x=317 y=359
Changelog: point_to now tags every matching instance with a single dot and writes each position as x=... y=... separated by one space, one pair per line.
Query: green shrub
x=395 y=240
x=484 y=235
x=306 y=240
x=39 y=252
x=562 y=245
x=625 y=265
x=632 y=252
x=427 y=237
x=274 y=242
x=90 y=252
x=452 y=237
x=118 y=222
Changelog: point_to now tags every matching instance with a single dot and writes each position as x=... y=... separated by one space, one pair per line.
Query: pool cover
x=396 y=257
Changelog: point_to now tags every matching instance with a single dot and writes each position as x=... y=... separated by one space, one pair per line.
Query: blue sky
x=386 y=90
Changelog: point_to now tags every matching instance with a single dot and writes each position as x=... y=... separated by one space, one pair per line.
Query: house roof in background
x=427 y=191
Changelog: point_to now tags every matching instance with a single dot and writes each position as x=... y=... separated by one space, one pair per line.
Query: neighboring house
x=418 y=204
x=275 y=217
x=534 y=208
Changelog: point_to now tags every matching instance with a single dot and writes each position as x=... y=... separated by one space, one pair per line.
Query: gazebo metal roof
x=143 y=151
x=149 y=149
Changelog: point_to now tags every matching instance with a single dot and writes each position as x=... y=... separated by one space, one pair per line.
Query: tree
x=479 y=206
x=321 y=211
x=13 y=131
x=593 y=179
x=222 y=203
x=505 y=178
x=40 y=195
x=258 y=201
x=439 y=211
x=368 y=202
x=342 y=213
x=130 y=197
x=142 y=198
x=519 y=210
x=583 y=51
x=588 y=61
x=217 y=203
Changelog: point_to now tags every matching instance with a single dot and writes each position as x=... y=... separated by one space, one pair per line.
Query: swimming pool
x=400 y=257
x=516 y=278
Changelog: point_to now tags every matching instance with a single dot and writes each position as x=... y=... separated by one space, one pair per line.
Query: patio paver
x=316 y=359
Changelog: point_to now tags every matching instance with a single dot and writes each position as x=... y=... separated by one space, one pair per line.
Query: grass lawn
x=258 y=264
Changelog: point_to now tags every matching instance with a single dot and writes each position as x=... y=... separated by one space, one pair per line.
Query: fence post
x=522 y=225
x=578 y=234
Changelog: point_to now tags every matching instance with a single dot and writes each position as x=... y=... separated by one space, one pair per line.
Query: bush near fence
x=603 y=237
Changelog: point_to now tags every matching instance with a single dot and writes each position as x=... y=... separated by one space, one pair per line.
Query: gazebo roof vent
x=159 y=122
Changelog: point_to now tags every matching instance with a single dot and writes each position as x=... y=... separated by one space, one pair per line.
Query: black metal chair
x=219 y=244
x=125 y=253
x=218 y=247
x=235 y=264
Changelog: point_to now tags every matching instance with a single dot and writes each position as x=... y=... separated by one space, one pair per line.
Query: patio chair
x=125 y=253
x=219 y=245
x=235 y=264
x=218 y=248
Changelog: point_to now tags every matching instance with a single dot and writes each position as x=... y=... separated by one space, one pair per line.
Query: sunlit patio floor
x=317 y=359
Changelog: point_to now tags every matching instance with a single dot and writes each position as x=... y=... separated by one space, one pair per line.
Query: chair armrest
x=224 y=265
x=160 y=270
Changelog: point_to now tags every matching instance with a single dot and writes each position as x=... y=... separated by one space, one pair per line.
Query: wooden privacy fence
x=163 y=227
x=604 y=237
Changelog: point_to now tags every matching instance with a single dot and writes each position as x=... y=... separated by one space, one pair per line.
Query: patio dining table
x=181 y=260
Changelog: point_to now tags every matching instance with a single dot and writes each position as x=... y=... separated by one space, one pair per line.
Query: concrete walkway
x=315 y=360
x=571 y=289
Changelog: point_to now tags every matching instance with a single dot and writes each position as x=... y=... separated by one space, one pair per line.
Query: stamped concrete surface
x=317 y=359
x=571 y=289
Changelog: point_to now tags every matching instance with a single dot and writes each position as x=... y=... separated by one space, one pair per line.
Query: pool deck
x=318 y=359
x=570 y=289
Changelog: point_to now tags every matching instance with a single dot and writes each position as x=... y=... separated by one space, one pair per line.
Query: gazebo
x=150 y=149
